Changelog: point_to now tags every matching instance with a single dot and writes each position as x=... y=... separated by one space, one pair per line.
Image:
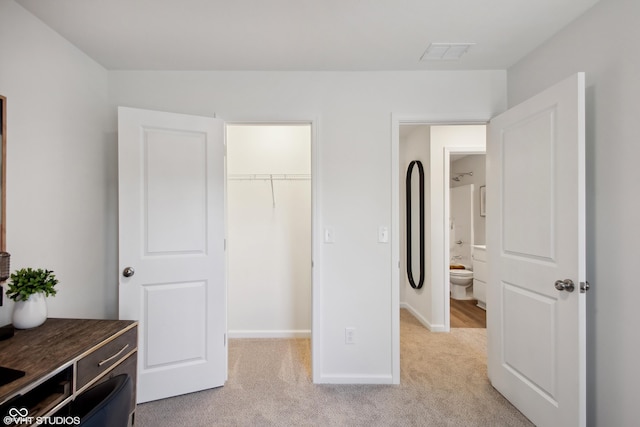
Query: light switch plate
x=383 y=234
x=329 y=235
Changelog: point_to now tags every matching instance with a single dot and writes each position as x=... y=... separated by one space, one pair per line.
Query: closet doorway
x=269 y=228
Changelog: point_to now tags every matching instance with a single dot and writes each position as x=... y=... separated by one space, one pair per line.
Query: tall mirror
x=3 y=172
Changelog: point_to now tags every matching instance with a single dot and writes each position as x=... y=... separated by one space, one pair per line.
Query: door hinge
x=225 y=340
x=584 y=287
x=224 y=244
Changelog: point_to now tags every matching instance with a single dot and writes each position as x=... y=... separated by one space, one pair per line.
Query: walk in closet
x=269 y=230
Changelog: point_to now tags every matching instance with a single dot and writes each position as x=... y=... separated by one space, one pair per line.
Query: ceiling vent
x=445 y=51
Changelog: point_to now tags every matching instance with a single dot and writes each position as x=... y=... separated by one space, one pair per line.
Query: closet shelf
x=269 y=177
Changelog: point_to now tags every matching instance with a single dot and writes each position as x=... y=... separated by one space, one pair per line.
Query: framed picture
x=483 y=200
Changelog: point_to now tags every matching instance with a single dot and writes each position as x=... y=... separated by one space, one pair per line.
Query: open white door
x=172 y=265
x=536 y=244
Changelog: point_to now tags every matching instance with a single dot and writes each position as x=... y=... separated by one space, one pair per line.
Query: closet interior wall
x=269 y=230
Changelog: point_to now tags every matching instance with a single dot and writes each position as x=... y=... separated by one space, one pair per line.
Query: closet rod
x=269 y=177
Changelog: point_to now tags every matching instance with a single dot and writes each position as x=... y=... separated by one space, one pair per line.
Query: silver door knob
x=565 y=285
x=128 y=272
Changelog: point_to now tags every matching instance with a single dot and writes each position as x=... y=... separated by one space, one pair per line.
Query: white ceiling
x=303 y=34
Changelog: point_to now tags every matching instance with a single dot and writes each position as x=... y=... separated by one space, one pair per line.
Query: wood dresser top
x=56 y=343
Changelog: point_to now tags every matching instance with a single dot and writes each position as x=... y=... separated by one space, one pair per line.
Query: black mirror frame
x=408 y=216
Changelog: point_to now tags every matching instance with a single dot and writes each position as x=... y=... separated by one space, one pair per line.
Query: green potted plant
x=28 y=288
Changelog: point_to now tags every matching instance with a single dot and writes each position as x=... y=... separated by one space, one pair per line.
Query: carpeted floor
x=443 y=383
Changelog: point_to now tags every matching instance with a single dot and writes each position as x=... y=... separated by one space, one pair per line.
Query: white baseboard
x=355 y=379
x=421 y=319
x=301 y=333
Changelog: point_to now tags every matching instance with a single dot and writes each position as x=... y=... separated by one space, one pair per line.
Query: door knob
x=565 y=285
x=128 y=272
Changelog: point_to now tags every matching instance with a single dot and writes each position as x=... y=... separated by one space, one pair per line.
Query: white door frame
x=316 y=259
x=427 y=120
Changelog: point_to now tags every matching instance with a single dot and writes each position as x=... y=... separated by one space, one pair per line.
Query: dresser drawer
x=128 y=366
x=102 y=358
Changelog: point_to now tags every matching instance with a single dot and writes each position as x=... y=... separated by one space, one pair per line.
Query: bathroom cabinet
x=480 y=275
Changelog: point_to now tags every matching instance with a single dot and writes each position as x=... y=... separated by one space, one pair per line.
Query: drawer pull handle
x=102 y=362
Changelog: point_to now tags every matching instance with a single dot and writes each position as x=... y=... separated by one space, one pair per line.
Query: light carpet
x=443 y=383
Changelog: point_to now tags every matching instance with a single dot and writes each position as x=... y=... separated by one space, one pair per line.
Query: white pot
x=30 y=313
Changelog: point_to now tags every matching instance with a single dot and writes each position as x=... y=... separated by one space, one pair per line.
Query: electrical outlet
x=349 y=335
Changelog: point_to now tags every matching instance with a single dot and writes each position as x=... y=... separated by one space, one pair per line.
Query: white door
x=171 y=196
x=536 y=237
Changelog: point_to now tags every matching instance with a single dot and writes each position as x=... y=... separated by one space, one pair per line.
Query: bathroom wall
x=461 y=225
x=473 y=163
x=269 y=231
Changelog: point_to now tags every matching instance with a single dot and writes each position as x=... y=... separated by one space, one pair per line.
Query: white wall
x=61 y=166
x=415 y=146
x=461 y=225
x=477 y=164
x=62 y=170
x=353 y=113
x=603 y=43
x=269 y=234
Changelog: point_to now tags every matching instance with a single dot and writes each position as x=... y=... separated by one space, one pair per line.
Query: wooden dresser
x=61 y=359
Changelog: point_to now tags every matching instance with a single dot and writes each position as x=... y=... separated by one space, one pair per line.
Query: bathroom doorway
x=434 y=145
x=467 y=240
x=269 y=228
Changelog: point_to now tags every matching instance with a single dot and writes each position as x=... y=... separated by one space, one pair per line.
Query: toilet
x=461 y=281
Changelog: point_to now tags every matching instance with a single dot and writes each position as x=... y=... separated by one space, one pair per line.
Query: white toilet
x=461 y=281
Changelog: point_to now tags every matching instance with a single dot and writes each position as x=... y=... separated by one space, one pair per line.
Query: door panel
x=528 y=354
x=171 y=194
x=175 y=191
x=186 y=346
x=535 y=236
x=527 y=147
